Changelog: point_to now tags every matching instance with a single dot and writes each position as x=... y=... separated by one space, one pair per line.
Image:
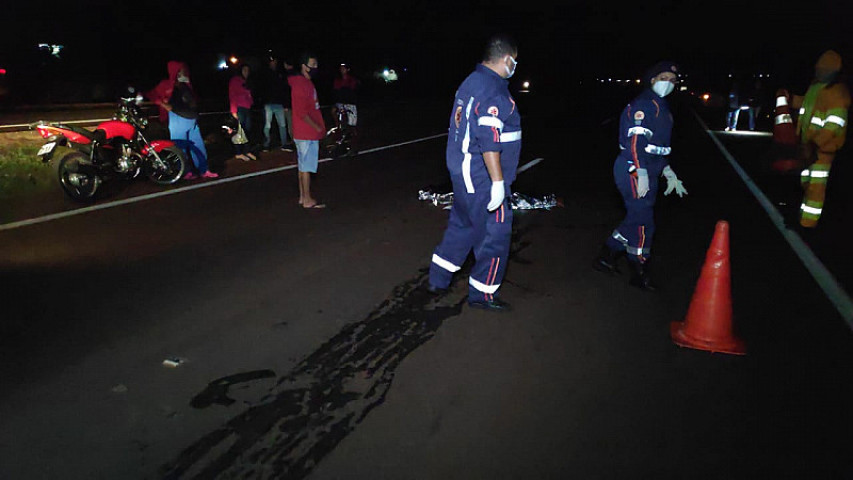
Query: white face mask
x=510 y=73
x=663 y=88
x=183 y=78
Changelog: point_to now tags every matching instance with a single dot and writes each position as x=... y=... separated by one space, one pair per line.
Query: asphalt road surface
x=305 y=347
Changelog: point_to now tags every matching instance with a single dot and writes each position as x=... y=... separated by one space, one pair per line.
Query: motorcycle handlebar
x=137 y=99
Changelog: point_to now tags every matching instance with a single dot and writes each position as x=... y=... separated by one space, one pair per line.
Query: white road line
x=99 y=120
x=66 y=122
x=822 y=276
x=212 y=183
x=744 y=133
x=528 y=165
x=81 y=122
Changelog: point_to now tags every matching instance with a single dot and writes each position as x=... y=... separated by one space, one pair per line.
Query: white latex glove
x=498 y=195
x=642 y=182
x=673 y=183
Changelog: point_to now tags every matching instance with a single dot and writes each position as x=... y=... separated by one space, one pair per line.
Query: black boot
x=607 y=261
x=640 y=276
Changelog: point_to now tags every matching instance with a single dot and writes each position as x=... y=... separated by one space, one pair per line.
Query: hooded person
x=645 y=129
x=162 y=92
x=181 y=105
x=822 y=128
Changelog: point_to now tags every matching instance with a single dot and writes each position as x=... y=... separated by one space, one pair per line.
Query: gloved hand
x=498 y=195
x=642 y=182
x=673 y=183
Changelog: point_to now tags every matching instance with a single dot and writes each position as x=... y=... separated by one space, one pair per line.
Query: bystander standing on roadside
x=275 y=93
x=308 y=126
x=182 y=108
x=240 y=97
x=345 y=88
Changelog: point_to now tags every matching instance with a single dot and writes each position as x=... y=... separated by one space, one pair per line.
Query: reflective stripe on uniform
x=632 y=250
x=816 y=121
x=490 y=122
x=620 y=238
x=802 y=110
x=638 y=251
x=781 y=102
x=656 y=150
x=490 y=289
x=466 y=162
x=836 y=120
x=640 y=131
x=511 y=137
x=445 y=264
x=819 y=173
x=812 y=210
x=784 y=118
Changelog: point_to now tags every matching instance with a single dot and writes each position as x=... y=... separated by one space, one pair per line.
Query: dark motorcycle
x=339 y=139
x=117 y=148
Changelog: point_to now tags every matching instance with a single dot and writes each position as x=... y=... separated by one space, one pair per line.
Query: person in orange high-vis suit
x=822 y=127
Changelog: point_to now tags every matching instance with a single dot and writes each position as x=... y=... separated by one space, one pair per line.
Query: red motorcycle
x=83 y=159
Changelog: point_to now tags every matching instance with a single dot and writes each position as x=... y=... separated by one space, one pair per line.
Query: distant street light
x=234 y=60
x=54 y=50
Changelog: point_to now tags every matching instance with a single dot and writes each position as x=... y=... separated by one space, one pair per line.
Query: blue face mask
x=663 y=87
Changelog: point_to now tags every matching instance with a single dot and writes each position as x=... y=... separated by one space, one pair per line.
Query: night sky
x=437 y=42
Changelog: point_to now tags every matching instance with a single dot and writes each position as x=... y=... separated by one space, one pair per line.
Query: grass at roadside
x=21 y=172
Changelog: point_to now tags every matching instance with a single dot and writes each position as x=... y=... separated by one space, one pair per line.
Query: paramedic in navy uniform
x=645 y=129
x=483 y=147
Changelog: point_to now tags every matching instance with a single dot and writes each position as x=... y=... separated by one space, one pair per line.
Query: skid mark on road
x=312 y=409
x=322 y=400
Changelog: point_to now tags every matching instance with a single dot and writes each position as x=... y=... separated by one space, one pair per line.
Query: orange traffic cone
x=784 y=137
x=708 y=325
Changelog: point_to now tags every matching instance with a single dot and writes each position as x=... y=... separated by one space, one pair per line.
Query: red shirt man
x=308 y=127
x=305 y=104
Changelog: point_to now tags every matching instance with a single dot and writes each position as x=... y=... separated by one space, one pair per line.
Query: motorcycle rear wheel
x=336 y=144
x=169 y=169
x=77 y=177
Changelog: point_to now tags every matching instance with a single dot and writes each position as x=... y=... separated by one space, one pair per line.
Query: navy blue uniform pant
x=472 y=227
x=634 y=235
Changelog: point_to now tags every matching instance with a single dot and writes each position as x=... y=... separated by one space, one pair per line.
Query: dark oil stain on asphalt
x=217 y=390
x=314 y=407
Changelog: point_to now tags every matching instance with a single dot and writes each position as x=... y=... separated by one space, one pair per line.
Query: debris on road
x=173 y=362
x=519 y=201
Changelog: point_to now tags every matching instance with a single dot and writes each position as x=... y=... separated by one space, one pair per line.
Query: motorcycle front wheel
x=169 y=169
x=77 y=177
